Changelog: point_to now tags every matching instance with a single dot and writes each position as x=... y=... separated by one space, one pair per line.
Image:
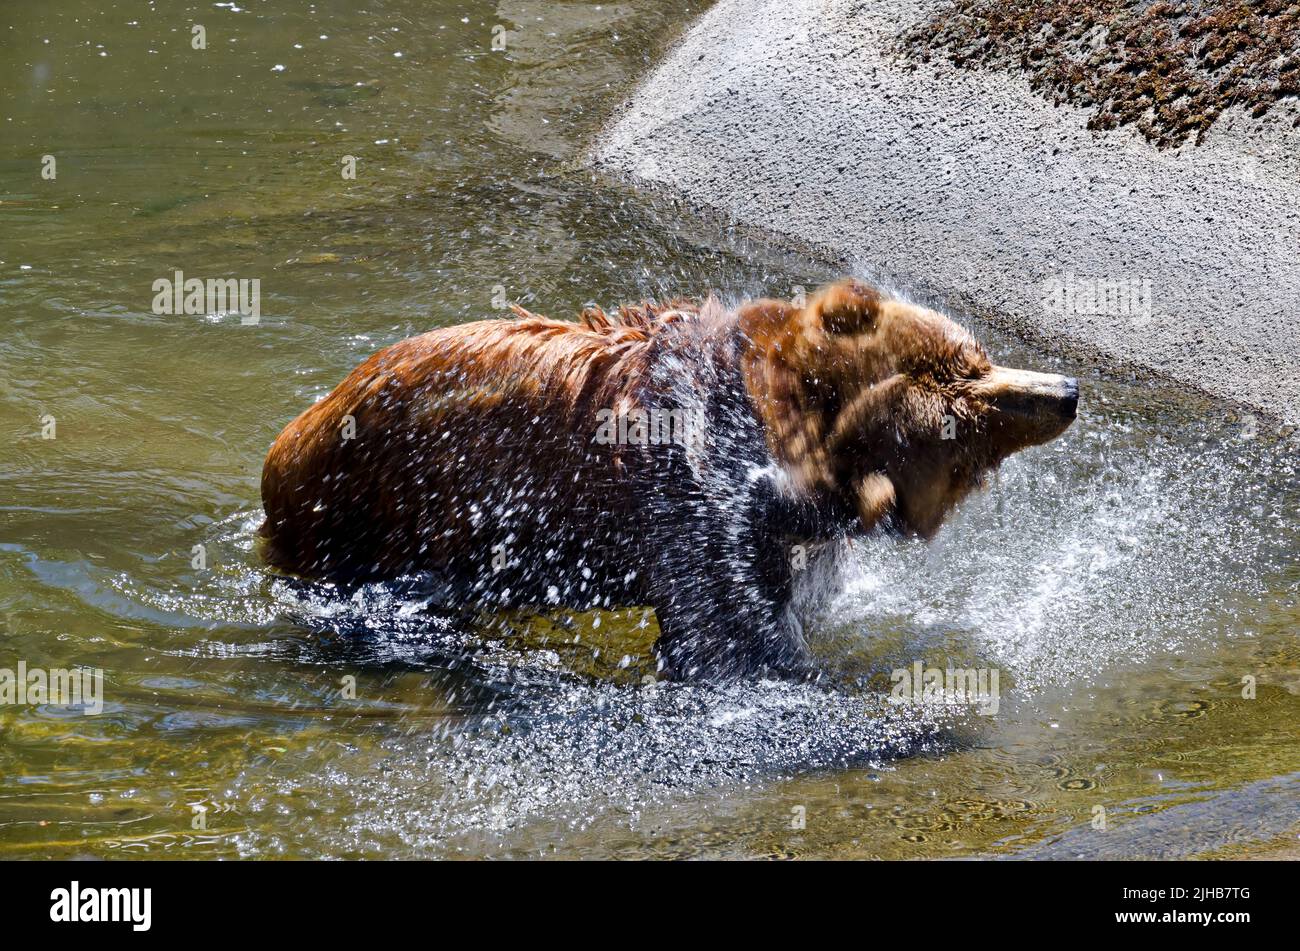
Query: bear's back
x=440 y=443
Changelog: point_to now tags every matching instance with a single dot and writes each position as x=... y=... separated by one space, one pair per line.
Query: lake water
x=1122 y=580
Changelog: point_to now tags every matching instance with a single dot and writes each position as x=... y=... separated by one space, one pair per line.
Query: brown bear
x=710 y=463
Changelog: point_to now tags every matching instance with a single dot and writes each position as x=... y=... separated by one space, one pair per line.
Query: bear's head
x=892 y=410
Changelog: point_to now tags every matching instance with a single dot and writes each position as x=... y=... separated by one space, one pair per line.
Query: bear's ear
x=845 y=307
x=766 y=322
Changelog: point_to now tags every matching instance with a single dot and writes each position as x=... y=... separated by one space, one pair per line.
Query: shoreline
x=802 y=122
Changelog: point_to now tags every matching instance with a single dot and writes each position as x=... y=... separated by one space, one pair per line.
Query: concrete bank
x=808 y=119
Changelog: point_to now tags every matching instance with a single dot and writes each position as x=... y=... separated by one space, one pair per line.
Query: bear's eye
x=952 y=365
x=972 y=367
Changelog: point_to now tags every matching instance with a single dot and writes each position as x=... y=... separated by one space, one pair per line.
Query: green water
x=1124 y=579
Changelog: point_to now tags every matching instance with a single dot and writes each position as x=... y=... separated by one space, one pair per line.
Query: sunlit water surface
x=1123 y=580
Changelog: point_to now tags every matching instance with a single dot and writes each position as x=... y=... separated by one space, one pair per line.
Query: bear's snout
x=1070 y=401
x=1030 y=407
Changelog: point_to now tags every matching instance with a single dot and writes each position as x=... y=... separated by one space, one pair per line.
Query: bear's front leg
x=722 y=601
x=703 y=636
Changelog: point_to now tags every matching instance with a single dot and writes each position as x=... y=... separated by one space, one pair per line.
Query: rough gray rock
x=798 y=118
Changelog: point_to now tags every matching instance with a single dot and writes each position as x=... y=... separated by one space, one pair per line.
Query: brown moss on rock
x=1168 y=68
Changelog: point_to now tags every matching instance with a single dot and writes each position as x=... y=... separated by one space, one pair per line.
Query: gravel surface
x=1170 y=69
